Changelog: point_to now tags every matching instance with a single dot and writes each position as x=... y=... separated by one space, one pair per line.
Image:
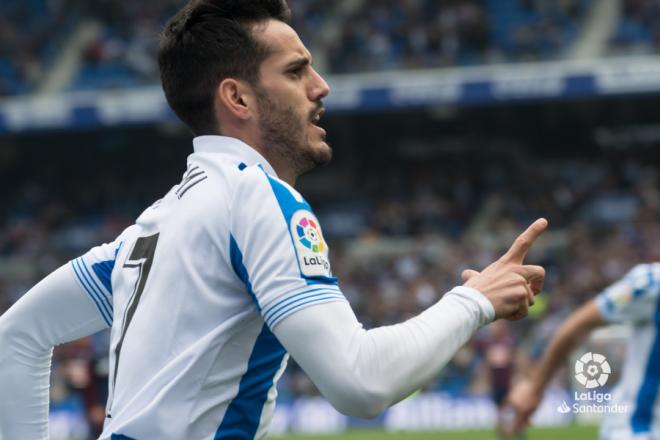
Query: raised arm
x=362 y=372
x=278 y=251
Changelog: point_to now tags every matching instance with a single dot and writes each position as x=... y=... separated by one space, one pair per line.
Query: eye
x=296 y=72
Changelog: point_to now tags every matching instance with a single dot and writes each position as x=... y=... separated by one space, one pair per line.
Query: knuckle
x=522 y=240
x=539 y=272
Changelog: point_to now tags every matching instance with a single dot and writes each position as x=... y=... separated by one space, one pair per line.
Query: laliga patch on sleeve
x=310 y=246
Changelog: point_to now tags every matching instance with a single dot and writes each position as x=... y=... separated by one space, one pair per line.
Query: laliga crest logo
x=309 y=235
x=592 y=370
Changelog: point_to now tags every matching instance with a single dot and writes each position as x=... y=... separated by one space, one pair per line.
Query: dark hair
x=206 y=42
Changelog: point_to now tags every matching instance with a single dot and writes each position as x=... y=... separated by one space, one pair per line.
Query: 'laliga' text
x=596 y=403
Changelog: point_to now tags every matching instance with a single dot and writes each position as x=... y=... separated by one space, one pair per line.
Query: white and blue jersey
x=635 y=300
x=192 y=291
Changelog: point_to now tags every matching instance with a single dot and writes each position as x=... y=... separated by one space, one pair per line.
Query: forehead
x=282 y=41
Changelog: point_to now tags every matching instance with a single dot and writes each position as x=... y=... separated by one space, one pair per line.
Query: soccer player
x=498 y=349
x=214 y=284
x=632 y=300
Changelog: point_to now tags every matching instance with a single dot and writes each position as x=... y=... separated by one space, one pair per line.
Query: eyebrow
x=298 y=62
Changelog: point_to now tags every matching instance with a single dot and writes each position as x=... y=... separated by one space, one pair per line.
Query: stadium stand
x=638 y=30
x=420 y=34
x=373 y=35
x=31 y=33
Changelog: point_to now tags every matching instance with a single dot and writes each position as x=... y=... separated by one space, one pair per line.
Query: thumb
x=468 y=273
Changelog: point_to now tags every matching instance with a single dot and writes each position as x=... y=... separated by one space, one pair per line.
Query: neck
x=284 y=173
x=282 y=165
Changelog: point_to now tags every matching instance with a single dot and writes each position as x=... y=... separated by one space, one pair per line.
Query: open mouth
x=317 y=117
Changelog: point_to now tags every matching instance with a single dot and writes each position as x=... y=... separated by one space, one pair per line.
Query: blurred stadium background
x=454 y=124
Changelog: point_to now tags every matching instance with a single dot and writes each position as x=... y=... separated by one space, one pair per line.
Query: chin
x=315 y=155
x=324 y=152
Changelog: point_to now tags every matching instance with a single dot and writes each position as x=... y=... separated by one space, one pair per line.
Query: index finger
x=519 y=248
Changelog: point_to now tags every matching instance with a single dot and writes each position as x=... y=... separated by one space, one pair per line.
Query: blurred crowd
x=31 y=33
x=115 y=42
x=122 y=49
x=111 y=44
x=638 y=30
x=385 y=35
x=413 y=235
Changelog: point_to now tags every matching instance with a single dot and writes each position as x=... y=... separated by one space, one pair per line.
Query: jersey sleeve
x=53 y=312
x=93 y=272
x=369 y=370
x=633 y=298
x=277 y=247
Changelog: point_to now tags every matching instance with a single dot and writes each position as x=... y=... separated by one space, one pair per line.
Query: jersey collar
x=233 y=148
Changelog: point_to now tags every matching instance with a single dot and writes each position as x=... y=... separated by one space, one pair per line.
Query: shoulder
x=637 y=287
x=256 y=184
x=644 y=277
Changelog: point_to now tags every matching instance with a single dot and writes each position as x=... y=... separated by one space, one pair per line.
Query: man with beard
x=213 y=286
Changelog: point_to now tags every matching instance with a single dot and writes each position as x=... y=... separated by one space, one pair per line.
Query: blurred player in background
x=498 y=349
x=632 y=300
x=213 y=286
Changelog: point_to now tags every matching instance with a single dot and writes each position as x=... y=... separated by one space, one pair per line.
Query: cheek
x=296 y=96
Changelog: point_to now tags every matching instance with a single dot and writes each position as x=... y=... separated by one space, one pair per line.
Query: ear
x=235 y=97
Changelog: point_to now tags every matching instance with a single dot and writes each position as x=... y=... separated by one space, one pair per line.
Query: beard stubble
x=284 y=135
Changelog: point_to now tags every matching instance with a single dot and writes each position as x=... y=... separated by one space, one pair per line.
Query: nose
x=319 y=89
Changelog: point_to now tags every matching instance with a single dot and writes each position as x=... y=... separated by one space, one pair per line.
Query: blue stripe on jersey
x=293 y=299
x=103 y=270
x=88 y=275
x=609 y=305
x=289 y=206
x=120 y=437
x=644 y=287
x=648 y=392
x=243 y=414
x=101 y=310
x=93 y=287
x=293 y=308
x=236 y=258
x=269 y=310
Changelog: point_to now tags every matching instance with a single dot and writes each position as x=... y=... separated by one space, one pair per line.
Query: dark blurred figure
x=498 y=350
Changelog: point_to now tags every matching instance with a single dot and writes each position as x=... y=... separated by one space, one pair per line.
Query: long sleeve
x=53 y=312
x=363 y=372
